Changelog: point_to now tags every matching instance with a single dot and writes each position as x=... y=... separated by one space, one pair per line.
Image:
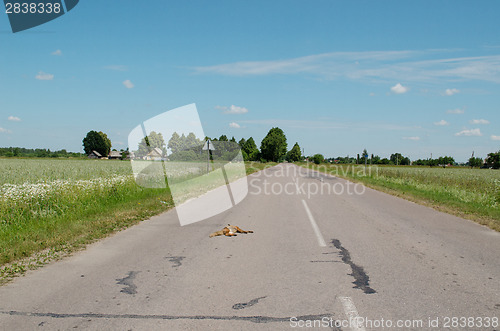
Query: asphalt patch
x=176 y=260
x=247 y=304
x=361 y=279
x=130 y=287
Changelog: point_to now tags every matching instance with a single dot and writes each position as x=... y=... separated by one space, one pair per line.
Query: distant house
x=155 y=154
x=114 y=155
x=95 y=155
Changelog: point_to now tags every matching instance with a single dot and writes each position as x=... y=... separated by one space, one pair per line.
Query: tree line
x=273 y=147
x=492 y=160
x=35 y=152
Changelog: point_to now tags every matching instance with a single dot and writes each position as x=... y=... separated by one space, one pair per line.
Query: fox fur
x=230 y=231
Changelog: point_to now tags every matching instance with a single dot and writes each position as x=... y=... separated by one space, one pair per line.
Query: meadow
x=470 y=193
x=51 y=207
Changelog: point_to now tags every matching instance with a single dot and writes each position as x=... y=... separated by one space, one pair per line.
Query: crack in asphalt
x=361 y=279
x=130 y=287
x=324 y=261
x=247 y=304
x=253 y=319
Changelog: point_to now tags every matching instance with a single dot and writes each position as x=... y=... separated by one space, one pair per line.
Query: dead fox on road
x=229 y=230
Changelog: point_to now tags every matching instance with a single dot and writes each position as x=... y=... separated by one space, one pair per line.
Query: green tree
x=174 y=144
x=183 y=140
x=475 y=162
x=318 y=158
x=399 y=159
x=96 y=141
x=153 y=140
x=125 y=153
x=192 y=141
x=244 y=155
x=250 y=149
x=242 y=143
x=421 y=162
x=294 y=154
x=364 y=156
x=273 y=147
x=445 y=160
x=396 y=158
x=493 y=160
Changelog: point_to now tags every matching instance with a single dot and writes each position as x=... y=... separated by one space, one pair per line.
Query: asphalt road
x=323 y=251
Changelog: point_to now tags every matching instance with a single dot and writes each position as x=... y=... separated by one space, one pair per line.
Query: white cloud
x=412 y=138
x=399 y=89
x=128 y=84
x=2 y=130
x=116 y=67
x=307 y=64
x=472 y=132
x=14 y=119
x=233 y=109
x=374 y=66
x=234 y=125
x=57 y=52
x=44 y=76
x=236 y=110
x=441 y=123
x=495 y=137
x=455 y=111
x=451 y=91
x=480 y=121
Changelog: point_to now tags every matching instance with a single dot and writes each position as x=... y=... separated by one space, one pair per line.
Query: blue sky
x=414 y=77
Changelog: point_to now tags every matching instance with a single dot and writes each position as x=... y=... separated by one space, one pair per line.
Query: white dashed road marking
x=351 y=313
x=321 y=240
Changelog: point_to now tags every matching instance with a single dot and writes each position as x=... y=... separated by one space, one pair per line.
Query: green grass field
x=49 y=207
x=470 y=193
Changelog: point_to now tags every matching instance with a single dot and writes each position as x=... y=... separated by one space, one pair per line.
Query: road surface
x=325 y=254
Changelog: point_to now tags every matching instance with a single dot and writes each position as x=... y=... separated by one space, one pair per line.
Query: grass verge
x=43 y=225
